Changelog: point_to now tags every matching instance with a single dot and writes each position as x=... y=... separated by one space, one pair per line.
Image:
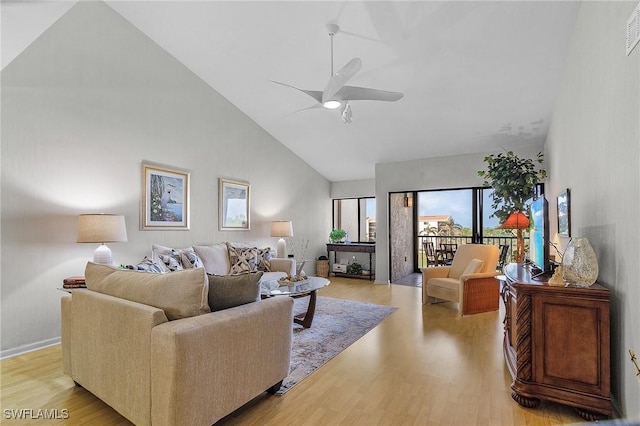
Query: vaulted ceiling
x=477 y=76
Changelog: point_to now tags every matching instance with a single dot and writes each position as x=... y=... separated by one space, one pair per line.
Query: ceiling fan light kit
x=331 y=104
x=337 y=94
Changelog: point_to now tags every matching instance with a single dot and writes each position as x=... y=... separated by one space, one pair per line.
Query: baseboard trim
x=8 y=353
x=617 y=409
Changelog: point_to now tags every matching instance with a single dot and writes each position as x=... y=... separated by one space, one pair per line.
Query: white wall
x=353 y=188
x=81 y=108
x=594 y=148
x=431 y=173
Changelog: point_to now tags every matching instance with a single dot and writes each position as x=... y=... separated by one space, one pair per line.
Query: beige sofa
x=147 y=345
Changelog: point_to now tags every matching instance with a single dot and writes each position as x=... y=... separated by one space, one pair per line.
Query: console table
x=556 y=343
x=352 y=248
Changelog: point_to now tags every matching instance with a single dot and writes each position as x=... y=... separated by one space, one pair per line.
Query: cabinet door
x=571 y=349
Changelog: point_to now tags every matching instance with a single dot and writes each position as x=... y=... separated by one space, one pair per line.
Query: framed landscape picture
x=233 y=205
x=564 y=214
x=165 y=198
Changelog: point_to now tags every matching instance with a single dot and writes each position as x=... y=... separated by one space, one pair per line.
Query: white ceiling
x=477 y=76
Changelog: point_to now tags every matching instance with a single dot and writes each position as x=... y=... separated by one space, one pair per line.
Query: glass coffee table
x=308 y=287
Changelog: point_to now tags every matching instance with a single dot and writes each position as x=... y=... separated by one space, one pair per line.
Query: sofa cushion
x=180 y=294
x=449 y=283
x=474 y=266
x=242 y=260
x=215 y=258
x=227 y=291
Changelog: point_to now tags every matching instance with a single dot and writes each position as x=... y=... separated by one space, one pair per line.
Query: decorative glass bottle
x=579 y=263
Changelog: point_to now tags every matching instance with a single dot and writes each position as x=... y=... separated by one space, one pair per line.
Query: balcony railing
x=437 y=240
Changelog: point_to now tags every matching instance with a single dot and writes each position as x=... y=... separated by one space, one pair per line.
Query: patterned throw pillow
x=147 y=265
x=172 y=259
x=242 y=260
x=190 y=260
x=264 y=257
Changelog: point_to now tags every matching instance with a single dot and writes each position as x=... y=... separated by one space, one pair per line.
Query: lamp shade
x=282 y=228
x=517 y=220
x=101 y=228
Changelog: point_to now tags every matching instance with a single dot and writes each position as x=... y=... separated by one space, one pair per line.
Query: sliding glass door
x=445 y=220
x=448 y=218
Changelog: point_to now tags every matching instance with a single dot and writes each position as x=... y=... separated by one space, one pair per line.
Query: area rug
x=336 y=325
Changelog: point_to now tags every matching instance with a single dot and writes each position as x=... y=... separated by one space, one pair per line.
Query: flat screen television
x=539 y=237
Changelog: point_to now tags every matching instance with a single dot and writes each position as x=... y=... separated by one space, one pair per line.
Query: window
x=357 y=216
x=459 y=216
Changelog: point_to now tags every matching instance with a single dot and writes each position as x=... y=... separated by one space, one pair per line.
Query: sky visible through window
x=370 y=207
x=458 y=204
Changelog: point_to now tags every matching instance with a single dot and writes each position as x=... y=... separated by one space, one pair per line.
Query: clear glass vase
x=579 y=263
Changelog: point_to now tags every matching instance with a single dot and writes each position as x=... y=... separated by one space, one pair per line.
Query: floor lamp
x=281 y=229
x=517 y=221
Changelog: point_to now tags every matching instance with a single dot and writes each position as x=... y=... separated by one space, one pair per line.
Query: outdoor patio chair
x=430 y=254
x=502 y=260
x=447 y=251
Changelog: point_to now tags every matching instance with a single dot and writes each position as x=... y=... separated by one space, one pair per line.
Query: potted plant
x=337 y=235
x=513 y=180
x=354 y=268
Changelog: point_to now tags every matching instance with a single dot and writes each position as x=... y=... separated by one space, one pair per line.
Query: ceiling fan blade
x=340 y=78
x=360 y=36
x=314 y=106
x=315 y=94
x=352 y=93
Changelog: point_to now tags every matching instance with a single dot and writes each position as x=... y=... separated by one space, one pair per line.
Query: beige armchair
x=470 y=280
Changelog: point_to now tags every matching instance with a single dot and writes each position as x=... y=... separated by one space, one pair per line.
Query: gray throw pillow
x=227 y=291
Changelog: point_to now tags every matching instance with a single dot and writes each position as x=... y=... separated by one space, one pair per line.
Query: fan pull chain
x=331 y=34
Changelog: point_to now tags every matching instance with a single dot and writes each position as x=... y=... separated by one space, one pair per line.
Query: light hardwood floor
x=420 y=366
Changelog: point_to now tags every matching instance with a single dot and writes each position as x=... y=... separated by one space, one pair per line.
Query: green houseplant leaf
x=513 y=180
x=337 y=235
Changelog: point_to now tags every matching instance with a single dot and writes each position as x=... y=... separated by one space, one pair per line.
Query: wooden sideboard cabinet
x=556 y=343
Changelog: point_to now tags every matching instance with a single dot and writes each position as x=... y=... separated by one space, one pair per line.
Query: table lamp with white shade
x=281 y=229
x=102 y=228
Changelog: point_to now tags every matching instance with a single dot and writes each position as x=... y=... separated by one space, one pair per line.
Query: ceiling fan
x=336 y=94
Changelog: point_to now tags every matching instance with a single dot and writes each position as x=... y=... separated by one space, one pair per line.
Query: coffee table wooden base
x=306 y=318
x=296 y=290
